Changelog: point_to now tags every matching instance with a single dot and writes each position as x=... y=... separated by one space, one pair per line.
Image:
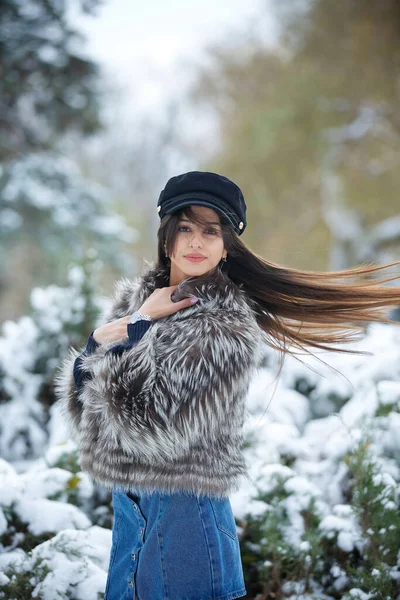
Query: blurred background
x=101 y=102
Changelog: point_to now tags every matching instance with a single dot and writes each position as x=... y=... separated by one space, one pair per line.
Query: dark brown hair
x=298 y=307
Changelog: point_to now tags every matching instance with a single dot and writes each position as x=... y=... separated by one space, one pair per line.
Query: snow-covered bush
x=320 y=517
x=72 y=565
x=45 y=199
x=51 y=542
x=48 y=498
x=51 y=184
x=30 y=351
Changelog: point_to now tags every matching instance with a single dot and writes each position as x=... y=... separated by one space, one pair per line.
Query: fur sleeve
x=65 y=389
x=177 y=384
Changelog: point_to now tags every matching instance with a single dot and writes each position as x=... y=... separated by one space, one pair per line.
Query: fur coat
x=167 y=413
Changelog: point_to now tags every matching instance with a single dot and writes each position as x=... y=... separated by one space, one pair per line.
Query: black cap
x=204 y=188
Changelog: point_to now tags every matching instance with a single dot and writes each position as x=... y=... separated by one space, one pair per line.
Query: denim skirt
x=173 y=547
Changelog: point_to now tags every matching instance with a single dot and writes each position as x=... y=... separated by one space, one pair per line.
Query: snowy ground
x=315 y=416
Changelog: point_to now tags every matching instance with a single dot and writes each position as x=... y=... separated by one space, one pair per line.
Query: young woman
x=156 y=401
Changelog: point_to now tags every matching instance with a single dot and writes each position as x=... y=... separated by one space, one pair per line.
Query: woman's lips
x=195 y=259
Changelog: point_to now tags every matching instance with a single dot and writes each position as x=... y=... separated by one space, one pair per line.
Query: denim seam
x=160 y=547
x=208 y=548
x=221 y=527
x=112 y=558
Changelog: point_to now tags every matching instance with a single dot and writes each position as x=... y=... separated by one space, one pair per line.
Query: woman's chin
x=196 y=268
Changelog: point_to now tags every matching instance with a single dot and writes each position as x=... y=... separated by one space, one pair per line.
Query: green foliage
x=274 y=564
x=20 y=585
x=18 y=535
x=99 y=507
x=385 y=409
x=23 y=582
x=269 y=557
x=68 y=461
x=304 y=386
x=375 y=500
x=70 y=493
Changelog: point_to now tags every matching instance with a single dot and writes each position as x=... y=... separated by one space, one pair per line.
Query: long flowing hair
x=298 y=309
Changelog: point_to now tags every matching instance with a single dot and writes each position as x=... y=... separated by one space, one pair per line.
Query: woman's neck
x=176 y=275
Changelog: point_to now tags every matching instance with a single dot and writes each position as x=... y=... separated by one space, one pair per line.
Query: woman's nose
x=195 y=240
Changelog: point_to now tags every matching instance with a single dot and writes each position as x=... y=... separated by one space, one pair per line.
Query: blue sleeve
x=81 y=376
x=135 y=333
x=91 y=344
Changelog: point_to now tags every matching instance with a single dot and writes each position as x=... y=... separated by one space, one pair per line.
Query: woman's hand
x=157 y=305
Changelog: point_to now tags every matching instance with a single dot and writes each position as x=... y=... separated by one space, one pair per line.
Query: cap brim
x=199 y=202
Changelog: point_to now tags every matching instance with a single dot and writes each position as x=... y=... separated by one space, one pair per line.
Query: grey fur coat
x=167 y=414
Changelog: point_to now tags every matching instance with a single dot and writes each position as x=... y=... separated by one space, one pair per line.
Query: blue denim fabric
x=173 y=547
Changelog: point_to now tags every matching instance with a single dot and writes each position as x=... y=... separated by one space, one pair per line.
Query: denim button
x=140 y=531
x=135 y=506
x=130 y=584
x=134 y=556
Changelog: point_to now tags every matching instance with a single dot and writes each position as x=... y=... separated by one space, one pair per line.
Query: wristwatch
x=138 y=316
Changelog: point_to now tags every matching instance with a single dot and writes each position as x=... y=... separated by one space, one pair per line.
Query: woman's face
x=192 y=240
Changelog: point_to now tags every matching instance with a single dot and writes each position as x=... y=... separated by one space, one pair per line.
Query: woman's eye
x=210 y=231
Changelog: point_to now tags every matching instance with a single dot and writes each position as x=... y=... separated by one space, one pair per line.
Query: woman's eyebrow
x=208 y=222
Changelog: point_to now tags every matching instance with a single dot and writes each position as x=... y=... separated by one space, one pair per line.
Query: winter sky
x=142 y=46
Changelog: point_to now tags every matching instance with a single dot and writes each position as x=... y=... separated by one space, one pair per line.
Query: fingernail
x=193 y=299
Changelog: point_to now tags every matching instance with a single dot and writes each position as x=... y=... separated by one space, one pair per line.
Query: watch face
x=134 y=318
